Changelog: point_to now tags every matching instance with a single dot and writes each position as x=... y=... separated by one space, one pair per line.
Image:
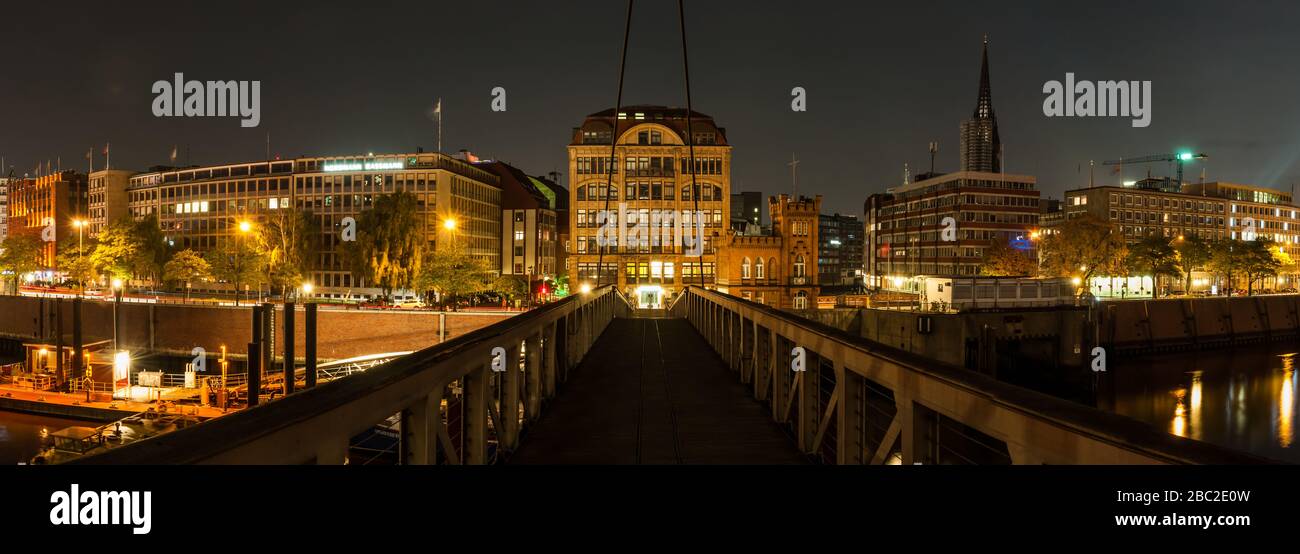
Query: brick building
x=778 y=269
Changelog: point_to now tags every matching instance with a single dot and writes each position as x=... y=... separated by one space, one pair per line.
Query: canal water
x=21 y=434
x=1243 y=398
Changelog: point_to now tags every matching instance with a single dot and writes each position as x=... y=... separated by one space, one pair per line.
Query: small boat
x=75 y=442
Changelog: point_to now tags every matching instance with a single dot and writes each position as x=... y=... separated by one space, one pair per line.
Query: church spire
x=981 y=147
x=984 y=105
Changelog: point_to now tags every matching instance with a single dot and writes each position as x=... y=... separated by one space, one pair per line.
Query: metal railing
x=458 y=402
x=859 y=402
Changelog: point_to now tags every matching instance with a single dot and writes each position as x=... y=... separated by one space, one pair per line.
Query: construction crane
x=1179 y=158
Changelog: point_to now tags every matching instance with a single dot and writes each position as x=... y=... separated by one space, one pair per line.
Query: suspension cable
x=613 y=144
x=690 y=135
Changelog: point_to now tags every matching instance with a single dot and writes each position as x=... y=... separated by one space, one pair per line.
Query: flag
x=105 y=148
x=173 y=154
x=437 y=108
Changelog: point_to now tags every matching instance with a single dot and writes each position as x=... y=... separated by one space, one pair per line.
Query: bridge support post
x=753 y=351
x=806 y=402
x=848 y=442
x=781 y=376
x=511 y=379
x=476 y=415
x=549 y=359
x=533 y=368
x=420 y=431
x=909 y=434
x=733 y=341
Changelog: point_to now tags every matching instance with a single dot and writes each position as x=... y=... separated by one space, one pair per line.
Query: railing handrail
x=1110 y=428
x=216 y=436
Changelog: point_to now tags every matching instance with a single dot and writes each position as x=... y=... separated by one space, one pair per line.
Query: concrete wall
x=844 y=319
x=1195 y=322
x=1058 y=334
x=174 y=328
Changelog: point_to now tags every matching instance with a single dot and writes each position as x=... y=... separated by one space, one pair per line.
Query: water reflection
x=1286 y=403
x=1243 y=399
x=21 y=435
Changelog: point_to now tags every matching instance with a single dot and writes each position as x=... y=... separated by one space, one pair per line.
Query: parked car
x=408 y=302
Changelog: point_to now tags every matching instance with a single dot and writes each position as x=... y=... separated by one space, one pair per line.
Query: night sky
x=883 y=80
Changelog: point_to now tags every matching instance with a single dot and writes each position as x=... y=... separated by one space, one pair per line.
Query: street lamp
x=307 y=287
x=585 y=288
x=1035 y=237
x=449 y=224
x=244 y=228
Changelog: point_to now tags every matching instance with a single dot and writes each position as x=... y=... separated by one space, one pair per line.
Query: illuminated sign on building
x=360 y=166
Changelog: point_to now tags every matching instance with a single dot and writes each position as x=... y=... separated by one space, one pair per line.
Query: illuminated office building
x=200 y=207
x=652 y=172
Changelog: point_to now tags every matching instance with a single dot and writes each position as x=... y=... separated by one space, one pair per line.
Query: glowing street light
x=307 y=287
x=245 y=226
x=585 y=288
x=449 y=224
x=122 y=371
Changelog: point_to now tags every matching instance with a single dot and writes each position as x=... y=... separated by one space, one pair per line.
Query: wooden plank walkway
x=651 y=391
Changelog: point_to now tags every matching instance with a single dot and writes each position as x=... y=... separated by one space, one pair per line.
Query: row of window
x=590 y=218
x=649 y=190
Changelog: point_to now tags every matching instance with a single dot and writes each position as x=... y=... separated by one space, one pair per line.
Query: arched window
x=744 y=268
x=759 y=269
x=798 y=266
x=771 y=267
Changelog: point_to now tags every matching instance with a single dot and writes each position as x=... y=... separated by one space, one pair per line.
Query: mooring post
x=309 y=344
x=288 y=347
x=254 y=381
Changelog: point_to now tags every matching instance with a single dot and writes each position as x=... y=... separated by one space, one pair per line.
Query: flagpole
x=438 y=110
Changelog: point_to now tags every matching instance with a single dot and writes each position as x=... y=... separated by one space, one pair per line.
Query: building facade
x=106 y=197
x=529 y=236
x=839 y=259
x=1216 y=210
x=47 y=206
x=941 y=226
x=4 y=208
x=200 y=207
x=776 y=269
x=651 y=173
